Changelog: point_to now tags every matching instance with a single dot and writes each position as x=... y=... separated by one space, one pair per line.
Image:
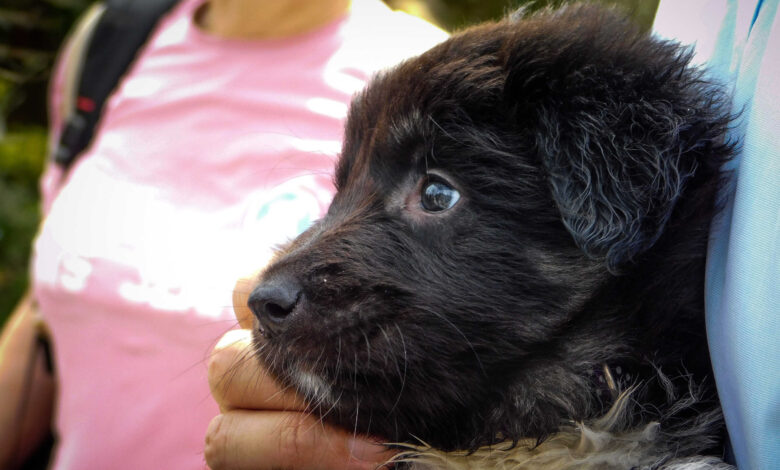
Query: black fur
x=587 y=157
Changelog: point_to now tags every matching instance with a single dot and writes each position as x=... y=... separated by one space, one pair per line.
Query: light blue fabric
x=743 y=271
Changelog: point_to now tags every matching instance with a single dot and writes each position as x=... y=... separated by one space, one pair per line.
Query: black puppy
x=517 y=245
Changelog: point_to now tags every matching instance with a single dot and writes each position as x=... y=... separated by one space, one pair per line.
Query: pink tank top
x=210 y=152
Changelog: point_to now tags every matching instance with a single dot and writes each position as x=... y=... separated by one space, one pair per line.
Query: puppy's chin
x=357 y=380
x=338 y=378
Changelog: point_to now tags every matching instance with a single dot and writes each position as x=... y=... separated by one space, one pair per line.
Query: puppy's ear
x=618 y=120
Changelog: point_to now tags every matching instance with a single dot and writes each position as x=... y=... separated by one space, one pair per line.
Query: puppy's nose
x=273 y=301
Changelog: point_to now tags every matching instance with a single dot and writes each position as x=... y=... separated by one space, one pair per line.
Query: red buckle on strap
x=85 y=104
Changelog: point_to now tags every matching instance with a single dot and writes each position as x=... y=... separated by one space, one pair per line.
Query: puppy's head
x=500 y=200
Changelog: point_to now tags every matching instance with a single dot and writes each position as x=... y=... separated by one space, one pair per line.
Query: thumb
x=241 y=291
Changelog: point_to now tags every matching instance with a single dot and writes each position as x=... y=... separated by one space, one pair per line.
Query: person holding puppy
x=218 y=143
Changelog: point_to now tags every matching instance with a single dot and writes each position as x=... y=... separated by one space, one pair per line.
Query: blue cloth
x=739 y=41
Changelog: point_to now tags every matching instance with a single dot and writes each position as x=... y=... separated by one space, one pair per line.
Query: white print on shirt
x=171 y=257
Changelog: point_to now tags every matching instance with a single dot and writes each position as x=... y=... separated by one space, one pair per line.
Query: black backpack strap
x=119 y=33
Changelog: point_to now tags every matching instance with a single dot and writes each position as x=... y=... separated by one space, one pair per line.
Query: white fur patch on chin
x=599 y=445
x=313 y=387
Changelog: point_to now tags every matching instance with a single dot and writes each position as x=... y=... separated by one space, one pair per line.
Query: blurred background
x=31 y=32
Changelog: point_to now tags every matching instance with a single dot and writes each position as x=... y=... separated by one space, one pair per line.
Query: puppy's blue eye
x=437 y=196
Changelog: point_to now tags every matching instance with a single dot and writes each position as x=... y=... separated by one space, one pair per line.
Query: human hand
x=264 y=427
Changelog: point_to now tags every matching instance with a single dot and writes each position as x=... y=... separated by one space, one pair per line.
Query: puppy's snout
x=273 y=303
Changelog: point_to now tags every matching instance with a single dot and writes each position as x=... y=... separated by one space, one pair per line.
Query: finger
x=238 y=380
x=241 y=292
x=256 y=440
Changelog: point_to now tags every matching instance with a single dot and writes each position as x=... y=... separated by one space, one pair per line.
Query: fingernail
x=234 y=337
x=367 y=451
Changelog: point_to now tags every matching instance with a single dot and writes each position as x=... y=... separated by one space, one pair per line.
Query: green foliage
x=22 y=153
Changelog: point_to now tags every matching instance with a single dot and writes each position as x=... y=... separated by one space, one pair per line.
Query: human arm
x=26 y=387
x=262 y=426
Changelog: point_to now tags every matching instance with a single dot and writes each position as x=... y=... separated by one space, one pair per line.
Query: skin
x=250 y=19
x=16 y=345
x=262 y=426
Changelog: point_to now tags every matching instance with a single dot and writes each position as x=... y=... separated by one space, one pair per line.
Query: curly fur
x=587 y=157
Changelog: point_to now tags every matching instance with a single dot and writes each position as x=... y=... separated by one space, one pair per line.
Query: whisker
x=403 y=377
x=368 y=349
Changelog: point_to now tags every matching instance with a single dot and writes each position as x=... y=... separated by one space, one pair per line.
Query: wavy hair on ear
x=620 y=124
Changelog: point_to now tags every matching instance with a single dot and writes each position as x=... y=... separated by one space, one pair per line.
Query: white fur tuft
x=313 y=387
x=602 y=444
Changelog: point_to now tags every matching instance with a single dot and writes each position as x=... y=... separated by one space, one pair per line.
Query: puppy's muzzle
x=273 y=302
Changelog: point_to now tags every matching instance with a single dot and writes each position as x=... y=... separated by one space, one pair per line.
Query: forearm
x=26 y=387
